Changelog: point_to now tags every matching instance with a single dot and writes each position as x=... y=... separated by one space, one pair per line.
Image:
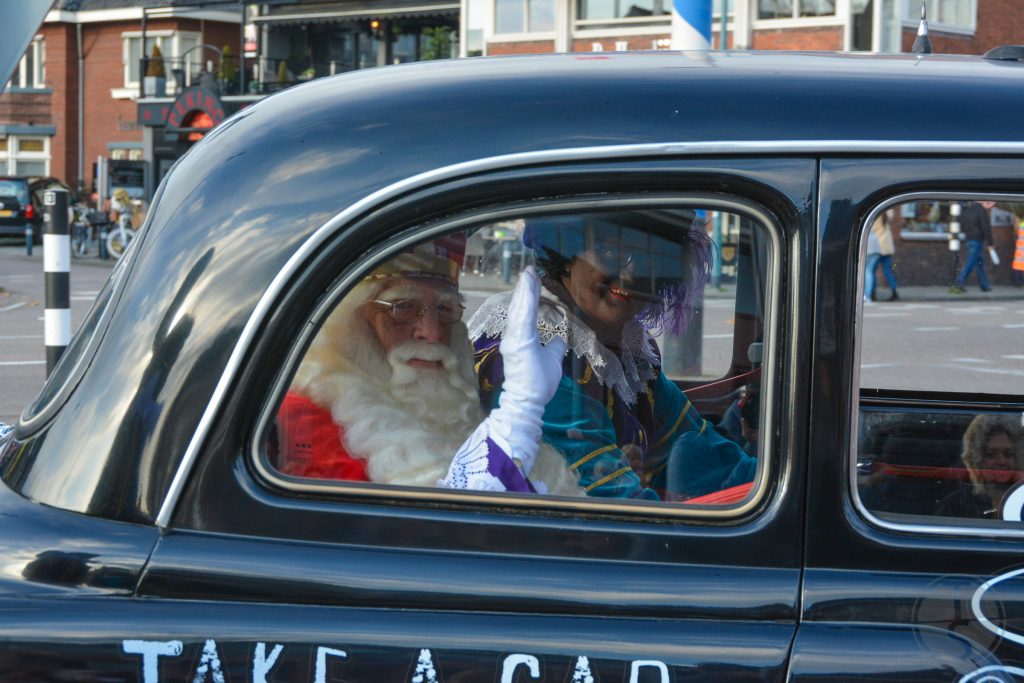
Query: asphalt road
x=22 y=301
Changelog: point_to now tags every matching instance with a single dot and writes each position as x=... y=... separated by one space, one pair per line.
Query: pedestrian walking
x=1018 y=255
x=977 y=230
x=881 y=247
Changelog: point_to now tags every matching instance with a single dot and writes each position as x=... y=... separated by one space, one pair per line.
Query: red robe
x=311 y=443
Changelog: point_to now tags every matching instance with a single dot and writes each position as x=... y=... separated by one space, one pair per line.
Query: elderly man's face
x=424 y=302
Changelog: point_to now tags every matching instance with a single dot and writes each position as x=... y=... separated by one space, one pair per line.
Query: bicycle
x=120 y=237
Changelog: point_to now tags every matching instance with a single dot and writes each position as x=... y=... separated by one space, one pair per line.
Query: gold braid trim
x=672 y=431
x=590 y=456
x=588 y=373
x=607 y=479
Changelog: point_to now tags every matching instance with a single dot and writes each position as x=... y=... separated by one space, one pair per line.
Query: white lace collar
x=626 y=373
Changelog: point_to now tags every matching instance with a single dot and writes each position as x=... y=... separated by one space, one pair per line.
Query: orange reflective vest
x=1018 y=252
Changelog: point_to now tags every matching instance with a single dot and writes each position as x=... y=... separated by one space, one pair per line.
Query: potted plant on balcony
x=154 y=83
x=227 y=70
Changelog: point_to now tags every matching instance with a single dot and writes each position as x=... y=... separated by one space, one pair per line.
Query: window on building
x=956 y=14
x=28 y=156
x=940 y=413
x=795 y=9
x=617 y=9
x=407 y=363
x=176 y=48
x=524 y=16
x=31 y=70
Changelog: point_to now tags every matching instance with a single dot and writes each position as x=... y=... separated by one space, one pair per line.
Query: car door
x=911 y=573
x=279 y=577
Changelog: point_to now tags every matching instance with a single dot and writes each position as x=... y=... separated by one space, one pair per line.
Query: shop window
x=31 y=70
x=942 y=361
x=795 y=9
x=524 y=16
x=656 y=400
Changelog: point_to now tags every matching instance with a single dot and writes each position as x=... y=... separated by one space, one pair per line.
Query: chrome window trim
x=623 y=508
x=509 y=161
x=868 y=515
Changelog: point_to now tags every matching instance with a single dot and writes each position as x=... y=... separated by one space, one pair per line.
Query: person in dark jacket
x=977 y=230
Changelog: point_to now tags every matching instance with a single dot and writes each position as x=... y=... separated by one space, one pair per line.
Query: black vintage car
x=154 y=525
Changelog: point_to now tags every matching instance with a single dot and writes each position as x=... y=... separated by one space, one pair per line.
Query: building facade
x=74 y=97
x=494 y=27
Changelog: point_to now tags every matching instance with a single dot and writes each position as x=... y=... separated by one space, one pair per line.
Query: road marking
x=83 y=298
x=978 y=310
x=969 y=360
x=990 y=371
x=1014 y=357
x=22 y=362
x=12 y=307
x=90 y=293
x=1013 y=326
x=21 y=336
x=875 y=366
x=718 y=336
x=936 y=329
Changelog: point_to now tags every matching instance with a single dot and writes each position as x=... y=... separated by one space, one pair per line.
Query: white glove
x=513 y=429
x=532 y=373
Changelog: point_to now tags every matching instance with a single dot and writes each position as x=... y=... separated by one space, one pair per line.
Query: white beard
x=406 y=422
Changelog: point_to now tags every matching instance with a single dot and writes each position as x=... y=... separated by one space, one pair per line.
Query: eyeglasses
x=408 y=310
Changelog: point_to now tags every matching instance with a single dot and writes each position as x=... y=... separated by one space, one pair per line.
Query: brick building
x=493 y=27
x=74 y=95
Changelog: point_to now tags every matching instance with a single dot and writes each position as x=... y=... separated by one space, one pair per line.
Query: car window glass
x=70 y=365
x=14 y=189
x=943 y=325
x=657 y=398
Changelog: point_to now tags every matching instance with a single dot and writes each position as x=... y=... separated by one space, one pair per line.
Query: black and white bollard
x=954 y=238
x=56 y=270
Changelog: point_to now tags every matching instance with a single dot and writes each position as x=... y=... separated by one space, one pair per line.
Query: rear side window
x=942 y=362
x=662 y=314
x=14 y=189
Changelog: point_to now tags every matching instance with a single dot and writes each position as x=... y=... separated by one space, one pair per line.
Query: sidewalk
x=17 y=253
x=919 y=293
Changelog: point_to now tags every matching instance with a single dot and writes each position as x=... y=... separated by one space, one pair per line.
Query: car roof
x=245 y=207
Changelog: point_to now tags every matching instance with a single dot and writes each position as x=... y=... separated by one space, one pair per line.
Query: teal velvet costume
x=651 y=445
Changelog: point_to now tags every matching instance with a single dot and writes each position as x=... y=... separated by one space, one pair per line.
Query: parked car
x=21 y=204
x=153 y=528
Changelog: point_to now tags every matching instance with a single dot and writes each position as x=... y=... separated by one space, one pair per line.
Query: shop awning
x=357 y=10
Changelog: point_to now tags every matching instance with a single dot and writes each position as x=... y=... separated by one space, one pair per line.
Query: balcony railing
x=262 y=75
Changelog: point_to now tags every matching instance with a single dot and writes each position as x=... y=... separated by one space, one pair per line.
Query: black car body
x=145 y=534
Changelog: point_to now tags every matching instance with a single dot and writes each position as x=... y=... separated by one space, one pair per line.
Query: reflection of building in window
x=945 y=14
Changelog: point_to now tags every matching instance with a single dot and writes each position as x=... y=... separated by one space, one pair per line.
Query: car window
x=942 y=361
x=417 y=378
x=14 y=189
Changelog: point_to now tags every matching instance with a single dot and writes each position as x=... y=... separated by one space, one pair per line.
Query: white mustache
x=421 y=350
